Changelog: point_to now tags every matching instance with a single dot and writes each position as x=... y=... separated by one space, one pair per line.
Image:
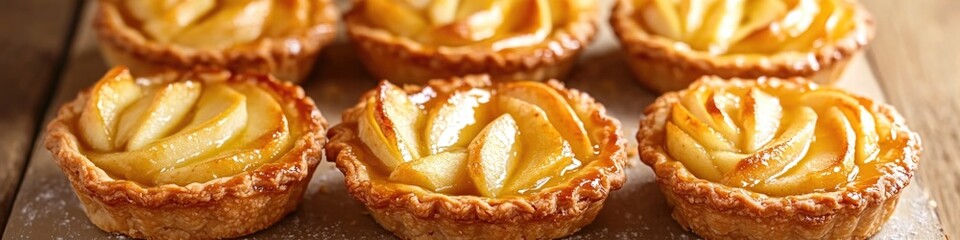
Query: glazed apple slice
x=698 y=130
x=455 y=122
x=468 y=21
x=660 y=17
x=108 y=98
x=533 y=24
x=760 y=116
x=442 y=12
x=545 y=154
x=688 y=151
x=266 y=136
x=395 y=17
x=444 y=172
x=290 y=16
x=221 y=114
x=759 y=15
x=174 y=17
x=783 y=152
x=237 y=21
x=719 y=26
x=389 y=126
x=559 y=114
x=152 y=117
x=715 y=109
x=865 y=124
x=692 y=14
x=493 y=155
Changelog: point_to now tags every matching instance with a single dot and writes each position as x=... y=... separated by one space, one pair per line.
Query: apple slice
x=174 y=17
x=389 y=126
x=660 y=17
x=719 y=26
x=533 y=24
x=442 y=12
x=290 y=16
x=715 y=109
x=443 y=173
x=545 y=154
x=559 y=113
x=266 y=136
x=235 y=22
x=698 y=130
x=760 y=116
x=782 y=153
x=493 y=155
x=153 y=117
x=457 y=121
x=399 y=19
x=108 y=98
x=759 y=15
x=692 y=14
x=221 y=114
x=865 y=123
x=688 y=151
x=817 y=30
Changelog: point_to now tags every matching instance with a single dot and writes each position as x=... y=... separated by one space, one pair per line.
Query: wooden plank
x=47 y=207
x=915 y=56
x=33 y=53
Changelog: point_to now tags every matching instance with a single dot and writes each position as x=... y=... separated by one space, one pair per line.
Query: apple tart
x=415 y=40
x=671 y=43
x=773 y=158
x=188 y=156
x=278 y=37
x=465 y=158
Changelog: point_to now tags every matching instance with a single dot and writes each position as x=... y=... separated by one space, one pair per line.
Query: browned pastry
x=414 y=41
x=188 y=156
x=777 y=159
x=465 y=158
x=278 y=37
x=669 y=44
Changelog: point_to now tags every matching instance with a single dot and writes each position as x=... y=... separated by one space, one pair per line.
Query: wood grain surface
x=911 y=59
x=916 y=57
x=33 y=35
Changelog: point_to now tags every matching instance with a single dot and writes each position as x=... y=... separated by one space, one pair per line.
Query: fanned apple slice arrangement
x=748 y=26
x=182 y=132
x=501 y=24
x=218 y=24
x=506 y=140
x=777 y=143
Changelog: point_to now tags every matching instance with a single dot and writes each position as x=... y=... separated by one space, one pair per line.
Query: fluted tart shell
x=225 y=207
x=717 y=211
x=412 y=212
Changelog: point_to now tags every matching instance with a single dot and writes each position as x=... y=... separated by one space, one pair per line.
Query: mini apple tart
x=671 y=43
x=188 y=156
x=769 y=158
x=417 y=40
x=464 y=158
x=278 y=37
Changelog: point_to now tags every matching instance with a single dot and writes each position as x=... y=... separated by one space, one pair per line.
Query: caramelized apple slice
x=719 y=26
x=865 y=125
x=389 y=126
x=221 y=114
x=545 y=154
x=442 y=12
x=715 y=109
x=237 y=21
x=692 y=13
x=783 y=152
x=456 y=121
x=699 y=130
x=444 y=172
x=760 y=116
x=98 y=121
x=471 y=21
x=759 y=14
x=688 y=151
x=290 y=16
x=493 y=155
x=153 y=117
x=174 y=18
x=534 y=23
x=558 y=111
x=395 y=17
x=660 y=17
x=266 y=136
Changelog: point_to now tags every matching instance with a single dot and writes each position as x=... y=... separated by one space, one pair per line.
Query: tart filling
x=463 y=157
x=762 y=158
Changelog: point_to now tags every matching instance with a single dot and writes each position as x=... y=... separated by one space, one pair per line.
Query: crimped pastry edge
x=224 y=207
x=288 y=58
x=414 y=213
x=406 y=61
x=717 y=211
x=660 y=66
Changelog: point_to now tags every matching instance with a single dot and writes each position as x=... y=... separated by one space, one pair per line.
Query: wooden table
x=914 y=57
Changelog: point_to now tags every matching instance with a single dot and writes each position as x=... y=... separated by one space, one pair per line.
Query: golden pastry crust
x=661 y=66
x=287 y=58
x=717 y=211
x=414 y=213
x=403 y=60
x=221 y=208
